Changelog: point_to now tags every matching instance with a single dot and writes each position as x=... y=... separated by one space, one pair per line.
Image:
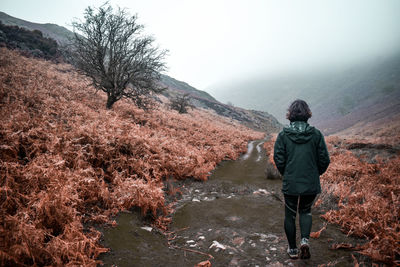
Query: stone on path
x=147 y=228
x=261 y=192
x=217 y=245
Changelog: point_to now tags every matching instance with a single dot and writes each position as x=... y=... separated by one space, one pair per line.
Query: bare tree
x=110 y=48
x=181 y=103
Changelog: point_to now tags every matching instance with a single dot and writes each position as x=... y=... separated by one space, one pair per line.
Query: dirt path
x=236 y=217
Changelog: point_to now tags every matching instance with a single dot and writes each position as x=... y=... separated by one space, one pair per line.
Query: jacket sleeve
x=323 y=156
x=280 y=154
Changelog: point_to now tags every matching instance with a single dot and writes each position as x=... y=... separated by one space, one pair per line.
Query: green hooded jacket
x=301 y=156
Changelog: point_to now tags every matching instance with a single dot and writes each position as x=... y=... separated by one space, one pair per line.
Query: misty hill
x=183 y=88
x=259 y=120
x=54 y=31
x=338 y=98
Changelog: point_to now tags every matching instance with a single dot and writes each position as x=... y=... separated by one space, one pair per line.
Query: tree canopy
x=111 y=49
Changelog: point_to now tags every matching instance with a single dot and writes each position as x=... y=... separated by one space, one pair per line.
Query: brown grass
x=66 y=160
x=368 y=199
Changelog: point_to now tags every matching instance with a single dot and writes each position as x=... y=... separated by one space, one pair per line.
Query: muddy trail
x=233 y=219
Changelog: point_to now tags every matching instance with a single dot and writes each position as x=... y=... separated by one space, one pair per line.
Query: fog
x=214 y=42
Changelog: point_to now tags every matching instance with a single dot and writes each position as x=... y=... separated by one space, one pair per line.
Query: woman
x=301 y=156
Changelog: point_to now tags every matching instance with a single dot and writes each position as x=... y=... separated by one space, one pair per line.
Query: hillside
x=258 y=120
x=183 y=87
x=58 y=33
x=339 y=98
x=255 y=119
x=66 y=160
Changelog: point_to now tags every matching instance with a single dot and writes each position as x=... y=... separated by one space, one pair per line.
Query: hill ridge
x=52 y=30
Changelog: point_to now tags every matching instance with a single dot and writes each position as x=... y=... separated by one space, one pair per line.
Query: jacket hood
x=299 y=132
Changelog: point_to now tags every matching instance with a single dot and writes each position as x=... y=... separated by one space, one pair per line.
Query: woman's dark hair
x=298 y=111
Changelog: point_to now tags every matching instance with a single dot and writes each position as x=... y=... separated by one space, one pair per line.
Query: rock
x=217 y=245
x=190 y=241
x=270 y=237
x=261 y=191
x=147 y=228
x=201 y=237
x=195 y=200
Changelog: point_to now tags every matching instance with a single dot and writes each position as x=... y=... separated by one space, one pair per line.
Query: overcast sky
x=214 y=41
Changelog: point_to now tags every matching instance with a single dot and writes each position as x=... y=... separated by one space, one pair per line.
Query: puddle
x=131 y=245
x=236 y=217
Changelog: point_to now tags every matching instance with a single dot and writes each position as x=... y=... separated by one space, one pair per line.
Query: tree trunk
x=110 y=101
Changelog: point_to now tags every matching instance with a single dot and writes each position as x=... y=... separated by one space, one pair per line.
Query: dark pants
x=303 y=205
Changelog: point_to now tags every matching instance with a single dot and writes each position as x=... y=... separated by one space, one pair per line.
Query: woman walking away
x=301 y=156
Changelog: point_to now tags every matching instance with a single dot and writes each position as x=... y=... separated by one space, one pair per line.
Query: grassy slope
x=384 y=130
x=66 y=160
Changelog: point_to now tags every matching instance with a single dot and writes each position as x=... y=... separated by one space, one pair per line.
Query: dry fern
x=66 y=160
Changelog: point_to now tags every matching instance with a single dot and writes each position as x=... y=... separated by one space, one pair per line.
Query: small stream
x=236 y=217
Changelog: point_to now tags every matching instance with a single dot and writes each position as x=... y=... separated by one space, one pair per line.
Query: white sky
x=214 y=41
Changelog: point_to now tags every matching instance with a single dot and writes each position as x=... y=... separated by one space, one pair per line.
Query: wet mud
x=234 y=219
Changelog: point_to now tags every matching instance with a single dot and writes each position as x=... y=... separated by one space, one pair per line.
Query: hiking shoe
x=304 y=249
x=293 y=253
